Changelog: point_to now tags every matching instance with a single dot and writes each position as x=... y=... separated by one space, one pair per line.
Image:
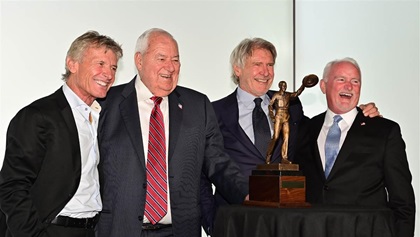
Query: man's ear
x=237 y=70
x=138 y=60
x=323 y=85
x=72 y=65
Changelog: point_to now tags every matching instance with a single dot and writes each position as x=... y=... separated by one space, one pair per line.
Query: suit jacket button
x=144 y=185
x=326 y=188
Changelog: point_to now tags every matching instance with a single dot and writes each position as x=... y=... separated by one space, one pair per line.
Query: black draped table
x=314 y=221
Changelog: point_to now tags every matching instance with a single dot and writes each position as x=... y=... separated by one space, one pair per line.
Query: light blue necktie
x=332 y=144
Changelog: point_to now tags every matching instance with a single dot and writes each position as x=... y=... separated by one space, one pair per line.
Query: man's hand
x=370 y=110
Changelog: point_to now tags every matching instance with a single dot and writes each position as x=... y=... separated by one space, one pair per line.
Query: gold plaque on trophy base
x=277 y=186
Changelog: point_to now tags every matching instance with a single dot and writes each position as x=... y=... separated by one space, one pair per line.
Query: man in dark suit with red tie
x=192 y=145
x=49 y=184
x=369 y=165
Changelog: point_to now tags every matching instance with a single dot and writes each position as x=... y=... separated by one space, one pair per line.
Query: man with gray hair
x=49 y=183
x=350 y=159
x=156 y=138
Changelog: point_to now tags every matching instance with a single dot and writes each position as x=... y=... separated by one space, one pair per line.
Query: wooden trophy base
x=277 y=185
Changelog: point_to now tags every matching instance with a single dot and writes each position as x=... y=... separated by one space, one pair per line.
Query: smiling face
x=159 y=66
x=342 y=87
x=257 y=74
x=92 y=75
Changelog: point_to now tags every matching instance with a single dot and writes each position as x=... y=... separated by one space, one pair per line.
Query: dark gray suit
x=371 y=169
x=195 y=146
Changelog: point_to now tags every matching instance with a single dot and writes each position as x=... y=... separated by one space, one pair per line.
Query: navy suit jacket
x=42 y=165
x=371 y=169
x=241 y=149
x=195 y=146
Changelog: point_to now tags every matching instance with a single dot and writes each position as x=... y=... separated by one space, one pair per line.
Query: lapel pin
x=180 y=106
x=363 y=124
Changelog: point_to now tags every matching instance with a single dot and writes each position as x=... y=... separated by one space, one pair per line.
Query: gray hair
x=245 y=49
x=87 y=40
x=142 y=44
x=329 y=65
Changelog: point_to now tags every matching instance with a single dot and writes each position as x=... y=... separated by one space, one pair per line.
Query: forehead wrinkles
x=345 y=73
x=162 y=50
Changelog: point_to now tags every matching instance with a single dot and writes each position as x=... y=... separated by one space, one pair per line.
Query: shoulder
x=116 y=94
x=42 y=109
x=317 y=120
x=225 y=101
x=191 y=102
x=376 y=122
x=186 y=95
x=380 y=123
x=189 y=97
x=47 y=103
x=115 y=91
x=184 y=91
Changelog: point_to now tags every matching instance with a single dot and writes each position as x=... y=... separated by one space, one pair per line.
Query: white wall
x=35 y=36
x=383 y=36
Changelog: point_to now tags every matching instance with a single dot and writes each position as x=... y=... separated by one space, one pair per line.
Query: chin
x=101 y=94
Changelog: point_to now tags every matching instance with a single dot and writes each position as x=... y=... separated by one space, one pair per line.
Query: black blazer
x=42 y=165
x=195 y=146
x=371 y=169
x=241 y=149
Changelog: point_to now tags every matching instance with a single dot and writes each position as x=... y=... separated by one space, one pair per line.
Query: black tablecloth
x=314 y=221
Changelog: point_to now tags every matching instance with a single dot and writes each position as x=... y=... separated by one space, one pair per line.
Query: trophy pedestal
x=277 y=185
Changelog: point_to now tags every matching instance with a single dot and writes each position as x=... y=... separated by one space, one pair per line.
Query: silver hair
x=84 y=42
x=142 y=44
x=245 y=49
x=329 y=65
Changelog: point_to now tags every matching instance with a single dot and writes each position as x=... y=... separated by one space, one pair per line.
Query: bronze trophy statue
x=280 y=103
x=280 y=184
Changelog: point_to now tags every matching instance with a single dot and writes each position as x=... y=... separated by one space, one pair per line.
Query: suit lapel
x=68 y=117
x=130 y=116
x=230 y=117
x=315 y=128
x=175 y=117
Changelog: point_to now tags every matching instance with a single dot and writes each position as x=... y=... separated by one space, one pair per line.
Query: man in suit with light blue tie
x=348 y=158
x=153 y=119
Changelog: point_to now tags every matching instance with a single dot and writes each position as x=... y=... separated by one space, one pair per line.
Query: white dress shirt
x=86 y=202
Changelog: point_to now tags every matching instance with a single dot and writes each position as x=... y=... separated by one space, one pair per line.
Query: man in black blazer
x=252 y=62
x=49 y=183
x=371 y=167
x=194 y=145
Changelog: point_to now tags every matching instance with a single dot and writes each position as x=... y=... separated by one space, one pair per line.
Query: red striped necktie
x=157 y=194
